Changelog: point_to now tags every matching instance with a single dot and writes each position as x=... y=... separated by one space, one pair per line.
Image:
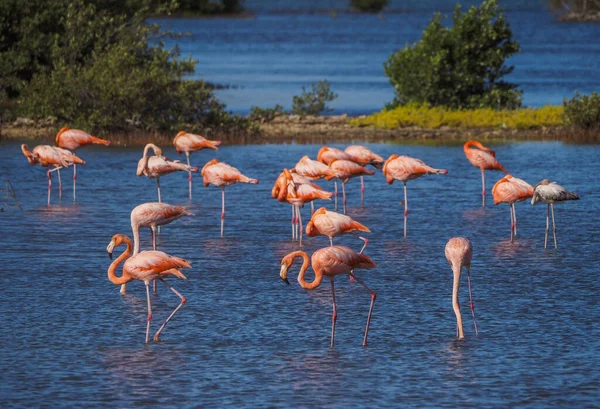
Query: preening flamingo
x=405 y=168
x=348 y=170
x=297 y=190
x=364 y=156
x=158 y=165
x=550 y=193
x=510 y=190
x=73 y=139
x=46 y=156
x=459 y=253
x=327 y=155
x=331 y=224
x=331 y=261
x=188 y=143
x=484 y=159
x=222 y=175
x=151 y=215
x=146 y=266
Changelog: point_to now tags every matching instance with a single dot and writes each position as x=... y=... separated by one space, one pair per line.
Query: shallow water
x=268 y=58
x=245 y=339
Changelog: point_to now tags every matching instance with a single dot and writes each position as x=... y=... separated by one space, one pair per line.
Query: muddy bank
x=296 y=129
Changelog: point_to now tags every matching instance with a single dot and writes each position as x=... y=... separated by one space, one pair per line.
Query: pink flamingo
x=405 y=168
x=510 y=190
x=146 y=266
x=364 y=156
x=222 y=175
x=331 y=224
x=484 y=159
x=151 y=215
x=327 y=155
x=46 y=156
x=73 y=139
x=158 y=165
x=188 y=143
x=331 y=261
x=348 y=170
x=459 y=253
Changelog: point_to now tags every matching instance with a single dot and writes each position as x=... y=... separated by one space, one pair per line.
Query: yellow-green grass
x=426 y=117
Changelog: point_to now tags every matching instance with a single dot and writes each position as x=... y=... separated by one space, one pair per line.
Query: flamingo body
x=314 y=169
x=73 y=139
x=482 y=157
x=221 y=174
x=364 y=156
x=511 y=190
x=327 y=155
x=189 y=142
x=332 y=224
x=405 y=168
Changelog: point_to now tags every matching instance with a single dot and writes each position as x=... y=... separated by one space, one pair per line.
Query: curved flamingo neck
x=125 y=278
x=135 y=227
x=305 y=264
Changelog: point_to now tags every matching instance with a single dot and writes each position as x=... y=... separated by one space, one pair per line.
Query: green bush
x=368 y=6
x=263 y=115
x=458 y=67
x=583 y=111
x=314 y=102
x=209 y=7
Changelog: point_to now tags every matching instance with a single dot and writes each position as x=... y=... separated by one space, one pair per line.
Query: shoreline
x=317 y=130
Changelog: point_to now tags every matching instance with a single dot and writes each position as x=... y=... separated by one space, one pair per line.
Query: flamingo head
x=283 y=271
x=116 y=241
x=31 y=158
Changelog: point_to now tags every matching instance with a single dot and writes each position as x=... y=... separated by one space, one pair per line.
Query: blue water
x=267 y=59
x=245 y=339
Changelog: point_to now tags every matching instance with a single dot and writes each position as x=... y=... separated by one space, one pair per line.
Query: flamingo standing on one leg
x=327 y=155
x=331 y=224
x=73 y=139
x=364 y=156
x=222 y=175
x=510 y=190
x=348 y=170
x=405 y=168
x=158 y=165
x=549 y=193
x=484 y=159
x=188 y=143
x=151 y=215
x=459 y=253
x=47 y=156
x=146 y=266
x=331 y=261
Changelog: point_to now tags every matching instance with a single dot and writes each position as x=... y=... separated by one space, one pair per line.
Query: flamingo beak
x=109 y=248
x=283 y=274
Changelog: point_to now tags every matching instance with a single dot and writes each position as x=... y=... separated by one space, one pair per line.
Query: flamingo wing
x=339 y=260
x=153 y=264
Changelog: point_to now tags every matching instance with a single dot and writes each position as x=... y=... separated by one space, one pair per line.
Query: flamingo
x=158 y=165
x=510 y=190
x=331 y=224
x=484 y=159
x=327 y=155
x=405 y=168
x=459 y=253
x=222 y=175
x=151 y=215
x=331 y=261
x=73 y=139
x=146 y=266
x=48 y=156
x=314 y=169
x=364 y=156
x=188 y=143
x=284 y=187
x=549 y=193
x=348 y=170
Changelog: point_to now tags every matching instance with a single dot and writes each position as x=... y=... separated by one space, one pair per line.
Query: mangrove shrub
x=314 y=102
x=462 y=66
x=583 y=111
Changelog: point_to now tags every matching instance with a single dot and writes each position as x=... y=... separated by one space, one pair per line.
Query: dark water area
x=245 y=339
x=267 y=58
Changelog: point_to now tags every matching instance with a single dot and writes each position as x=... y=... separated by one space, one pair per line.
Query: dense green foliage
x=209 y=7
x=314 y=102
x=98 y=65
x=266 y=114
x=583 y=111
x=368 y=6
x=458 y=67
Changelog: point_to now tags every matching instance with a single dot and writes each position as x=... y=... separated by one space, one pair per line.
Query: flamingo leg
x=158 y=188
x=300 y=223
x=554 y=225
x=49 y=185
x=222 y=211
x=293 y=222
x=373 y=296
x=187 y=154
x=344 y=195
x=405 y=208
x=547 y=225
x=331 y=241
x=364 y=245
x=512 y=226
x=312 y=208
x=515 y=216
x=482 y=188
x=334 y=315
x=183 y=300
x=471 y=300
x=335 y=193
x=362 y=189
x=153 y=228
x=59 y=184
x=74 y=182
x=149 y=311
